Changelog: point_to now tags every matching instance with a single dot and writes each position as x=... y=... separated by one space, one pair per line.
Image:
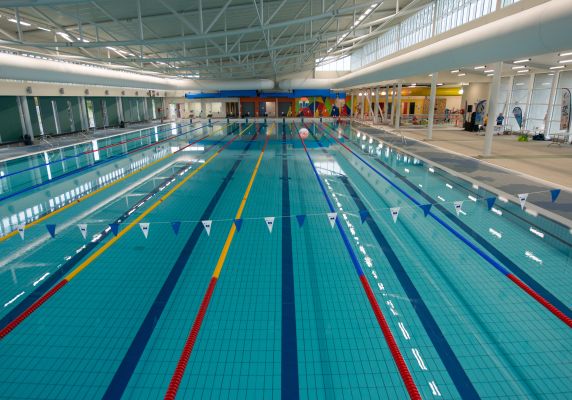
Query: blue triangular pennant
x=176 y=225
x=300 y=219
x=238 y=224
x=426 y=208
x=491 y=202
x=554 y=193
x=114 y=228
x=52 y=229
x=363 y=214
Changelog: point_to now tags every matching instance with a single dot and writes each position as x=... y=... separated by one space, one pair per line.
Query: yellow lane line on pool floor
x=192 y=337
x=8 y=328
x=122 y=232
x=232 y=231
x=87 y=196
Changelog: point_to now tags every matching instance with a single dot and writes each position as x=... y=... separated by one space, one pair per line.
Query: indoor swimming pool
x=246 y=260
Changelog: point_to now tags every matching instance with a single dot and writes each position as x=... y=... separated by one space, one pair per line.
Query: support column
x=352 y=106
x=549 y=111
x=386 y=104
x=376 y=107
x=370 y=107
x=25 y=119
x=146 y=108
x=393 y=104
x=362 y=105
x=83 y=113
x=528 y=102
x=431 y=117
x=493 y=109
x=119 y=103
x=397 y=107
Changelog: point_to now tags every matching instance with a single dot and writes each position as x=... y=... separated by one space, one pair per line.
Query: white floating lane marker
x=14 y=299
x=495 y=233
x=404 y=331
x=434 y=389
x=419 y=359
x=369 y=262
x=41 y=278
x=536 y=232
x=531 y=255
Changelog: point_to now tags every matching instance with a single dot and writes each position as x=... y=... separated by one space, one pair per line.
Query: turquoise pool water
x=289 y=316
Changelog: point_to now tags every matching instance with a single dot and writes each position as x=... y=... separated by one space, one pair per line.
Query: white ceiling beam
x=212 y=35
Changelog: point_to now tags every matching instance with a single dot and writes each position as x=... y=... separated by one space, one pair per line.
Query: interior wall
x=473 y=93
x=10 y=127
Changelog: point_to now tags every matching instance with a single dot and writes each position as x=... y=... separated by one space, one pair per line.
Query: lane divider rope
x=404 y=372
x=107 y=186
x=177 y=377
x=541 y=300
x=98 y=164
x=18 y=320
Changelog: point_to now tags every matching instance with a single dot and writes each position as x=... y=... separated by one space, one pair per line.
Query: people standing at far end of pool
x=500 y=119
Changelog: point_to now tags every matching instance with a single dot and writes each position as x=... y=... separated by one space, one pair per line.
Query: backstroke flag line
x=269 y=223
x=83 y=229
x=207 y=223
x=394 y=213
x=145 y=228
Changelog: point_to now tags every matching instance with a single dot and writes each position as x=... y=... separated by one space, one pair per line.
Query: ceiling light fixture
x=521 y=61
x=454 y=71
x=44 y=29
x=65 y=36
x=522 y=71
x=462 y=74
x=21 y=22
x=565 y=61
x=481 y=67
x=519 y=67
x=558 y=67
x=488 y=71
x=490 y=74
x=368 y=11
x=569 y=53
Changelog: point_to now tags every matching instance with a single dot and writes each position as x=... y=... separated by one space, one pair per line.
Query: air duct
x=16 y=67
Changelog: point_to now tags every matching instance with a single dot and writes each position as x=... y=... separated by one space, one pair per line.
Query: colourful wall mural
x=322 y=107
x=317 y=106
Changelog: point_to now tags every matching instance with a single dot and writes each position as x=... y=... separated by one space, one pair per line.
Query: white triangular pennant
x=21 y=228
x=83 y=229
x=269 y=223
x=458 y=206
x=145 y=228
x=207 y=223
x=394 y=213
x=332 y=217
x=522 y=197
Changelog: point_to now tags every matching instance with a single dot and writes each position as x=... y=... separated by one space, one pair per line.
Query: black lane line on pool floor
x=290 y=388
x=529 y=280
x=446 y=354
x=131 y=358
x=58 y=274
